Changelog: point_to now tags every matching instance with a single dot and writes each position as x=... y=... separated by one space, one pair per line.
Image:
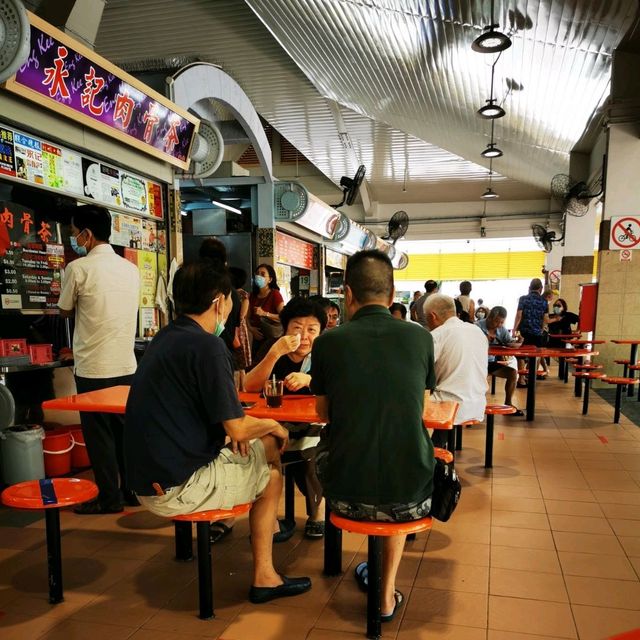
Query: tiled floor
x=547 y=545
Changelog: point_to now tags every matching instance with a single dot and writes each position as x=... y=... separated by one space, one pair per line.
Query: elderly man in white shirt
x=102 y=290
x=460 y=353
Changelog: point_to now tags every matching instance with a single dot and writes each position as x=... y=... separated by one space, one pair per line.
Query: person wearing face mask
x=102 y=290
x=289 y=359
x=182 y=406
x=481 y=313
x=561 y=322
x=265 y=304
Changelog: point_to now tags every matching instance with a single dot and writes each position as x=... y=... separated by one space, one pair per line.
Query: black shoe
x=94 y=508
x=289 y=587
x=314 y=529
x=130 y=498
x=287 y=529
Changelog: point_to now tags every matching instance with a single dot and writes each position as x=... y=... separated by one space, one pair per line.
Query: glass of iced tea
x=273 y=390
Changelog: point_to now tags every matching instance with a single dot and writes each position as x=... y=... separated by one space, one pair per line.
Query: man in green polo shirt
x=370 y=377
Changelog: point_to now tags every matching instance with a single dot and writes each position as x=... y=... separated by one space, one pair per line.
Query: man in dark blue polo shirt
x=370 y=377
x=182 y=405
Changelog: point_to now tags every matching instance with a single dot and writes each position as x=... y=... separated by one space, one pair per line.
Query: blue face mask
x=259 y=281
x=81 y=251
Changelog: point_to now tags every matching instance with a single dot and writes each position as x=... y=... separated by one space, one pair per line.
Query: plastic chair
x=490 y=411
x=51 y=495
x=586 y=376
x=620 y=383
x=184 y=548
x=375 y=532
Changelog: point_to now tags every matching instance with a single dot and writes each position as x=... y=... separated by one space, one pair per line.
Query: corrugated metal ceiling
x=404 y=76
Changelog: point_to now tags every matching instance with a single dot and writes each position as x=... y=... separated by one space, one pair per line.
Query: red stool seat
x=622 y=361
x=591 y=375
x=376 y=531
x=588 y=366
x=215 y=514
x=634 y=634
x=51 y=495
x=499 y=409
x=523 y=372
x=184 y=548
x=634 y=367
x=619 y=380
x=443 y=454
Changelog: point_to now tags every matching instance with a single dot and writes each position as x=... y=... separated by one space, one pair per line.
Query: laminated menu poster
x=7 y=153
x=148 y=268
x=126 y=231
x=134 y=192
x=52 y=166
x=28 y=153
x=149 y=235
x=30 y=263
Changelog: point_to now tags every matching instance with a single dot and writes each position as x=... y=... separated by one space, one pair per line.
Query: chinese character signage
x=297 y=253
x=65 y=76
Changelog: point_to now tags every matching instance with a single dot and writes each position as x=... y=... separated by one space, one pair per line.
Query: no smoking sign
x=625 y=233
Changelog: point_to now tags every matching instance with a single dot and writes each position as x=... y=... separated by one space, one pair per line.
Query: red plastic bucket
x=79 y=455
x=57 y=446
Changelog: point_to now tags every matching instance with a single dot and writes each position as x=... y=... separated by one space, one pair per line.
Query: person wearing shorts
x=182 y=407
x=369 y=376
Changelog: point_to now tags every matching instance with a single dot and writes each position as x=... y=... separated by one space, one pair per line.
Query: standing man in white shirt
x=102 y=290
x=460 y=353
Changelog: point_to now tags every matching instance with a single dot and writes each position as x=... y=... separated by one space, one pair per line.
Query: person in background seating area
x=481 y=312
x=468 y=305
x=561 y=322
x=460 y=355
x=289 y=359
x=501 y=367
x=412 y=306
x=369 y=377
x=398 y=310
x=531 y=318
x=430 y=287
x=102 y=290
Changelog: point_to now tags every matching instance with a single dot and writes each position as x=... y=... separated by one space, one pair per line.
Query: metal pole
x=54 y=555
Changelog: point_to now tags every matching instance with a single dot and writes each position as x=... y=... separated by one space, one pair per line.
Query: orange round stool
x=443 y=454
x=184 y=548
x=490 y=411
x=375 y=532
x=619 y=382
x=51 y=495
x=634 y=368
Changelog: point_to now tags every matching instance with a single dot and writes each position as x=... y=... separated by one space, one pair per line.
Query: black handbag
x=446 y=491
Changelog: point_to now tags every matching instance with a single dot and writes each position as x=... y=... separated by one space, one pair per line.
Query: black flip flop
x=518 y=413
x=362 y=576
x=218 y=531
x=399 y=598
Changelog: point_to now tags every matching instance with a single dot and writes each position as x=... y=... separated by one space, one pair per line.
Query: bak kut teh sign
x=63 y=75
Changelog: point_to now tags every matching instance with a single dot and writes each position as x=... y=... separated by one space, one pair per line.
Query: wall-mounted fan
x=15 y=37
x=544 y=237
x=574 y=195
x=351 y=186
x=208 y=149
x=397 y=226
x=290 y=200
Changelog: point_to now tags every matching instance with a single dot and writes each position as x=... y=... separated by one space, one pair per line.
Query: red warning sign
x=625 y=233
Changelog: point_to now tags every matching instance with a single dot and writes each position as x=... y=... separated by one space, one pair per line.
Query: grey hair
x=443 y=306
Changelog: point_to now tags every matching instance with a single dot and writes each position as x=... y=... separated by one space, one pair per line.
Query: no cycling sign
x=625 y=233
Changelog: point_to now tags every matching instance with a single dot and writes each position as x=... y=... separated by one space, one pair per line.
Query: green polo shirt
x=374 y=371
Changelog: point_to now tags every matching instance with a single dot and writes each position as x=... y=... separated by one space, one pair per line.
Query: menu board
x=335 y=259
x=44 y=163
x=294 y=252
x=30 y=263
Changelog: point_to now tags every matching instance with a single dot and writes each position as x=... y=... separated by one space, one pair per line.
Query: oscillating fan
x=350 y=187
x=544 y=237
x=397 y=226
x=15 y=37
x=574 y=195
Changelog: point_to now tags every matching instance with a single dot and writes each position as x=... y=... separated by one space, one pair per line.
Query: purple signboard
x=59 y=73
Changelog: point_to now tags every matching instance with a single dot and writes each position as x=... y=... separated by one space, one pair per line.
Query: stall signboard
x=335 y=259
x=43 y=163
x=294 y=252
x=319 y=218
x=64 y=75
x=31 y=261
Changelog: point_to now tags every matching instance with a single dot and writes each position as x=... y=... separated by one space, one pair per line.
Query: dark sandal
x=314 y=529
x=362 y=576
x=518 y=413
x=399 y=597
x=218 y=531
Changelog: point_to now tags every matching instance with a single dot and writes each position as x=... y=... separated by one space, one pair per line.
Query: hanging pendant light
x=489 y=194
x=491 y=151
x=492 y=40
x=491 y=110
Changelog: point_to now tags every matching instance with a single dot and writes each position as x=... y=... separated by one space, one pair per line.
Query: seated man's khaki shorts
x=227 y=481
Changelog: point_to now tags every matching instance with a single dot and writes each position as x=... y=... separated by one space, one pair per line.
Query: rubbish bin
x=22 y=457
